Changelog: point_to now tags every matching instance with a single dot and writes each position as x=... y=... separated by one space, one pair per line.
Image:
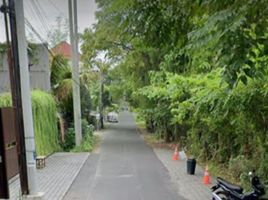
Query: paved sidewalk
x=56 y=178
x=188 y=186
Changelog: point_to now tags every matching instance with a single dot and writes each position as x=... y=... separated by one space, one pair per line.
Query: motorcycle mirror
x=251 y=173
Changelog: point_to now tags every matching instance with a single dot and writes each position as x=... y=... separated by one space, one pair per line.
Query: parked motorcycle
x=224 y=190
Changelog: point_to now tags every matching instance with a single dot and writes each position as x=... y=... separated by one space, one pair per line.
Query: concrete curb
x=74 y=177
x=39 y=196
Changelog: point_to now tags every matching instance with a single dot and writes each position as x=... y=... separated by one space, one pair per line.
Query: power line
x=42 y=10
x=39 y=12
x=36 y=17
x=56 y=7
x=42 y=14
x=29 y=25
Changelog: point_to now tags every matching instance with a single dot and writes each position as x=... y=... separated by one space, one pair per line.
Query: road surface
x=125 y=168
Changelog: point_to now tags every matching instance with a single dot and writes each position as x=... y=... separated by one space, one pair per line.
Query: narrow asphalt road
x=124 y=169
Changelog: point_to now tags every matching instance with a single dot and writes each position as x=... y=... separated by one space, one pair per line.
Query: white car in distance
x=112 y=117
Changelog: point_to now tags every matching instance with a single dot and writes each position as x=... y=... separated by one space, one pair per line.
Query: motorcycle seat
x=230 y=186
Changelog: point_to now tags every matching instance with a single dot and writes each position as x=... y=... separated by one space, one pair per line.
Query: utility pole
x=75 y=71
x=14 y=75
x=26 y=97
x=21 y=96
x=101 y=98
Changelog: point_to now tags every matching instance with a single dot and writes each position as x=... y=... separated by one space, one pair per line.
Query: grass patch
x=152 y=139
x=140 y=122
x=88 y=144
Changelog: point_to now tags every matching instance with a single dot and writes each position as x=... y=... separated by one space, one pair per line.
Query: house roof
x=64 y=49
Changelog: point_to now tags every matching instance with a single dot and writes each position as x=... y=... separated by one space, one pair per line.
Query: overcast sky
x=49 y=10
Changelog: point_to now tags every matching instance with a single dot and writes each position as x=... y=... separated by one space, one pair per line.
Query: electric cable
x=57 y=8
x=29 y=25
x=32 y=12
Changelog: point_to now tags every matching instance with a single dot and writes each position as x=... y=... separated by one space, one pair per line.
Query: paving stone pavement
x=188 y=186
x=56 y=178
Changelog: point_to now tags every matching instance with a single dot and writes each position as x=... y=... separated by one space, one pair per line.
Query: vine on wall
x=31 y=49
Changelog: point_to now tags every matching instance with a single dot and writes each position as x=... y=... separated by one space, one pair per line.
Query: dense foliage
x=88 y=140
x=61 y=82
x=45 y=121
x=195 y=70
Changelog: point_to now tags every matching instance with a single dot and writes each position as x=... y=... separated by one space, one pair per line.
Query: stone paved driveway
x=188 y=186
x=56 y=178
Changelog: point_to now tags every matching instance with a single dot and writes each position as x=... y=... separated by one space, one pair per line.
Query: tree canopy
x=196 y=70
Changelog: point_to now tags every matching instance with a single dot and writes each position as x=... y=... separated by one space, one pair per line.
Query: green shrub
x=87 y=138
x=45 y=121
x=87 y=144
x=69 y=140
x=87 y=128
x=5 y=100
x=221 y=126
x=239 y=167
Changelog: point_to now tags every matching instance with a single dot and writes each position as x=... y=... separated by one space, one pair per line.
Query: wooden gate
x=8 y=150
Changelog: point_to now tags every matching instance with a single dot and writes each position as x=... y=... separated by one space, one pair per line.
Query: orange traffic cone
x=176 y=154
x=206 y=179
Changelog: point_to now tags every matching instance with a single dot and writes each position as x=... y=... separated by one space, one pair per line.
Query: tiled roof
x=65 y=49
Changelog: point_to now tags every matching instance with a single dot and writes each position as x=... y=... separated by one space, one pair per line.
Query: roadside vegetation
x=194 y=71
x=53 y=112
x=45 y=121
x=61 y=81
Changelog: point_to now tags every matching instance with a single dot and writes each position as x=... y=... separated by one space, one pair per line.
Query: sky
x=42 y=15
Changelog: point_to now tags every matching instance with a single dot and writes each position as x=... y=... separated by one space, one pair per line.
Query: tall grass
x=5 y=100
x=45 y=121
